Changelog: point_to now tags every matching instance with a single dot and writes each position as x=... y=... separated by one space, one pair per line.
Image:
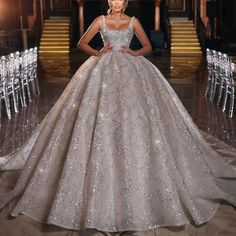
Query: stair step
x=193 y=32
x=54 y=40
x=56 y=27
x=180 y=30
x=48 y=58
x=187 y=26
x=185 y=36
x=56 y=31
x=176 y=26
x=55 y=34
x=181 y=21
x=57 y=21
x=53 y=51
x=65 y=36
x=184 y=24
x=54 y=43
x=186 y=48
x=57 y=24
x=186 y=52
x=54 y=47
x=184 y=44
x=184 y=40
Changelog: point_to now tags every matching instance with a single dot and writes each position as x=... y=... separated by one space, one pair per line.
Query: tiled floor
x=188 y=77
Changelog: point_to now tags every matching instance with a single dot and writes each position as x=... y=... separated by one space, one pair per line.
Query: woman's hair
x=109 y=10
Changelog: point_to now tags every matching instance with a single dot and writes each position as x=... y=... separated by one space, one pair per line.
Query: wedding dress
x=118 y=151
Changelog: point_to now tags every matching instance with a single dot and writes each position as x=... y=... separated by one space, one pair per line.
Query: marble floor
x=188 y=77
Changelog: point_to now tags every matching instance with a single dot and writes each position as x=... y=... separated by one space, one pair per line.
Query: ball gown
x=117 y=152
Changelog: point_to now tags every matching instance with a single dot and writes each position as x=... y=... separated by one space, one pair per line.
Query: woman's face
x=117 y=5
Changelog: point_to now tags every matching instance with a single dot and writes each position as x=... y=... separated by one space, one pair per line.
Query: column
x=157 y=15
x=81 y=17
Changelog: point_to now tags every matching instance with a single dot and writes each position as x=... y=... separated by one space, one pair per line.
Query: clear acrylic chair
x=216 y=71
x=25 y=83
x=211 y=74
x=220 y=79
x=3 y=88
x=32 y=66
x=12 y=82
x=229 y=88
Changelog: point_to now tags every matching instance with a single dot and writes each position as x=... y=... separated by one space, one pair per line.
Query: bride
x=118 y=151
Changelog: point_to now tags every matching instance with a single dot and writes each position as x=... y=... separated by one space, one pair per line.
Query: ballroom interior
x=180 y=31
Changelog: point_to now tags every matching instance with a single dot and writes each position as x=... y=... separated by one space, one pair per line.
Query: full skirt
x=118 y=151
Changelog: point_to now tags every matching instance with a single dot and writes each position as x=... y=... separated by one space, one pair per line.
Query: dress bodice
x=117 y=38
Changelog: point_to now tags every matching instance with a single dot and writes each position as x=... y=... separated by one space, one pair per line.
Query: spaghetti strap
x=131 y=21
x=103 y=21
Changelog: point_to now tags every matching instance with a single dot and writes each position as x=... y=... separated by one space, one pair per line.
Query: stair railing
x=74 y=34
x=36 y=30
x=200 y=28
x=166 y=24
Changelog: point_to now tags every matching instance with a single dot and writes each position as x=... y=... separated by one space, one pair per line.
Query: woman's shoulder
x=99 y=18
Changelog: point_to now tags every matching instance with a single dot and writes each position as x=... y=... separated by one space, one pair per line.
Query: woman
x=118 y=151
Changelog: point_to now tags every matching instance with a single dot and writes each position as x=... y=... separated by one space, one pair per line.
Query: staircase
x=184 y=39
x=55 y=36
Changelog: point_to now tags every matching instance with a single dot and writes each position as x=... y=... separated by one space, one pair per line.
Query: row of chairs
x=18 y=80
x=220 y=85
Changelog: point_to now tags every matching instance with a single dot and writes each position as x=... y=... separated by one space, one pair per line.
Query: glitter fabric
x=118 y=152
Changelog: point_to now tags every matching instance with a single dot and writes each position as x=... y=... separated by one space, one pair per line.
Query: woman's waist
x=118 y=47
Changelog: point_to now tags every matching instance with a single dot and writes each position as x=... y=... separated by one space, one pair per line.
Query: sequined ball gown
x=118 y=152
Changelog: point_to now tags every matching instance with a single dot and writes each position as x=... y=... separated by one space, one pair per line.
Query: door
x=57 y=7
x=179 y=8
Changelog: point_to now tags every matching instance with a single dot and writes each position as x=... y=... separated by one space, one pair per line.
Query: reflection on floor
x=51 y=64
x=188 y=78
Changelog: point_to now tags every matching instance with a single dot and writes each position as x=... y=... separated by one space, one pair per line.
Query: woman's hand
x=106 y=48
x=128 y=50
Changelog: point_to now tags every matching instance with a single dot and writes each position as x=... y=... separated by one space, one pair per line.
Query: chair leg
x=231 y=105
x=207 y=88
x=213 y=88
x=7 y=106
x=225 y=98
x=28 y=90
x=21 y=96
x=32 y=82
x=14 y=99
x=37 y=84
x=23 y=93
x=0 y=112
x=220 y=94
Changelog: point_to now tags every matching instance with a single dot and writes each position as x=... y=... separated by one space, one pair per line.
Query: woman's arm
x=83 y=44
x=140 y=33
